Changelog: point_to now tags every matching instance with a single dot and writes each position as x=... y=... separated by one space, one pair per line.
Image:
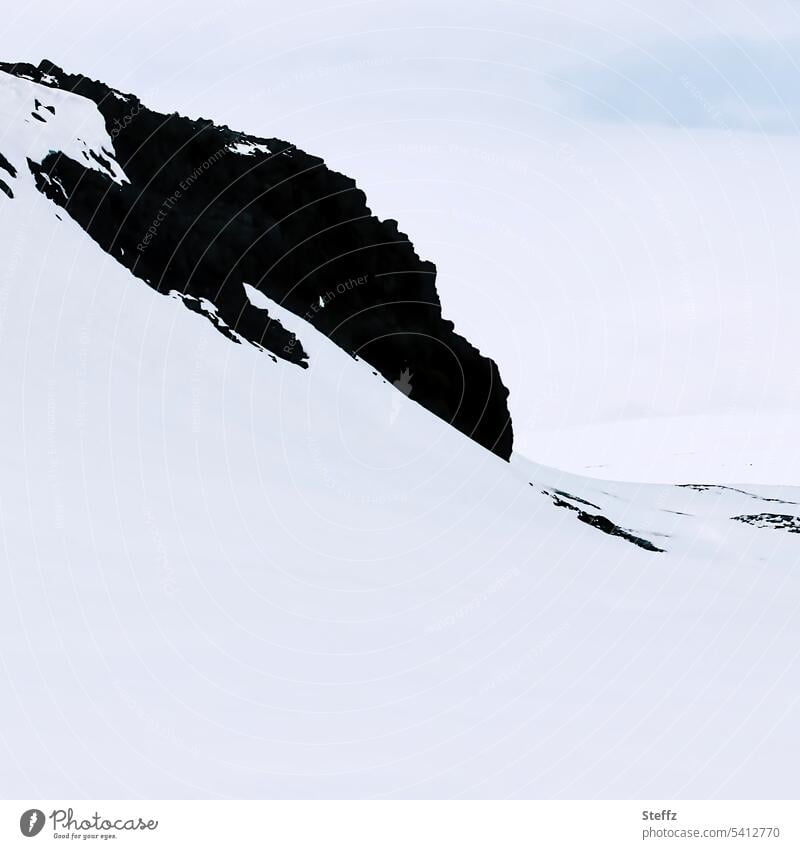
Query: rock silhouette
x=209 y=209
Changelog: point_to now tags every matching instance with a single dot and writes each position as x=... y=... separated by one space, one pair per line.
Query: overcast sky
x=618 y=61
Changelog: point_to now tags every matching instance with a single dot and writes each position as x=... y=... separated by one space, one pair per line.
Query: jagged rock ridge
x=208 y=209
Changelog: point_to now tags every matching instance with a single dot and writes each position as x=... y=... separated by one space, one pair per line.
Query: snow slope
x=225 y=576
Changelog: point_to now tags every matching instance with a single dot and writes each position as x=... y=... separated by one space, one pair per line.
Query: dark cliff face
x=209 y=209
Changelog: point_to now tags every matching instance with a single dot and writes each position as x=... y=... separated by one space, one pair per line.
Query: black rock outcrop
x=208 y=209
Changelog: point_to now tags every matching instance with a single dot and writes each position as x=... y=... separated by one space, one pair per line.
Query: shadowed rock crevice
x=208 y=209
x=711 y=487
x=601 y=522
x=9 y=169
x=775 y=521
x=7 y=166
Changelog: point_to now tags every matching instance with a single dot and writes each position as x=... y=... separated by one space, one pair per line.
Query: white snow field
x=223 y=576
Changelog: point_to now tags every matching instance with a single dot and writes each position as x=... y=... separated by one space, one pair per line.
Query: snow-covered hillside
x=228 y=576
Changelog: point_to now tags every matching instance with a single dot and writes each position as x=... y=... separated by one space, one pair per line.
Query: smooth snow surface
x=226 y=576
